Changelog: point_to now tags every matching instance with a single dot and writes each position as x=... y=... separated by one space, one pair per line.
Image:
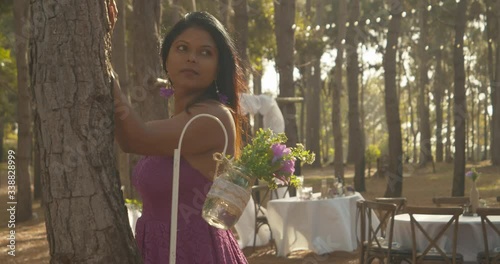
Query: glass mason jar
x=227 y=198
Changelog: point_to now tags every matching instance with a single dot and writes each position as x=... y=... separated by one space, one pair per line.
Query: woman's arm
x=128 y=125
x=161 y=137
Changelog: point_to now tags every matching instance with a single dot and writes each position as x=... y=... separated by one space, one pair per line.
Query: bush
x=372 y=153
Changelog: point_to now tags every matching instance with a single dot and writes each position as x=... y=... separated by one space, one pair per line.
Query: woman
x=201 y=63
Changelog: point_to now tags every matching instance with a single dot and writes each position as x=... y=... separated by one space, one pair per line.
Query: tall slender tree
x=120 y=65
x=459 y=102
x=495 y=137
x=146 y=63
x=284 y=17
x=356 y=134
x=241 y=30
x=438 y=99
x=70 y=69
x=423 y=69
x=395 y=168
x=23 y=157
x=338 y=163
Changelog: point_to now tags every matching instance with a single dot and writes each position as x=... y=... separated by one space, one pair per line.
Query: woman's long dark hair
x=230 y=81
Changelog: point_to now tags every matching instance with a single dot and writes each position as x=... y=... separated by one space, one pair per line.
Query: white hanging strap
x=175 y=183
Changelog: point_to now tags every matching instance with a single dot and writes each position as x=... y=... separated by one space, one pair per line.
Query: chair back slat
x=400 y=202
x=485 y=221
x=433 y=239
x=379 y=237
x=451 y=201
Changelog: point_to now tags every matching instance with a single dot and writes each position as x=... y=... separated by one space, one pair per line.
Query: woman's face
x=192 y=61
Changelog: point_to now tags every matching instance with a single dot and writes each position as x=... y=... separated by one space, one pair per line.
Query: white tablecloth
x=319 y=225
x=469 y=240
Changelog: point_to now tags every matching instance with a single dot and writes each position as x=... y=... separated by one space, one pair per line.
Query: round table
x=469 y=238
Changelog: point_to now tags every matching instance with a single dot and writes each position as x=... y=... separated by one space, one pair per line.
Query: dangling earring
x=168 y=91
x=222 y=97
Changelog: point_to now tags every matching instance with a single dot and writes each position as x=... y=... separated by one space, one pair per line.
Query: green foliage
x=372 y=153
x=256 y=159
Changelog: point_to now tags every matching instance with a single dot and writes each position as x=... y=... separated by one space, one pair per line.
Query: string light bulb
x=347 y=24
x=413 y=11
x=356 y=23
x=368 y=21
x=318 y=27
x=342 y=42
x=427 y=47
x=441 y=47
x=294 y=26
x=333 y=25
x=403 y=14
x=327 y=26
x=429 y=8
x=378 y=19
x=458 y=46
x=441 y=3
x=308 y=28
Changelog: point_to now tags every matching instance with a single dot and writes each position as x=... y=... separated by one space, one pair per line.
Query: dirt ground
x=419 y=186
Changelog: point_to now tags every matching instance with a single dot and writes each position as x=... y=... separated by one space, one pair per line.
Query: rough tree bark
x=69 y=66
x=395 y=168
x=459 y=103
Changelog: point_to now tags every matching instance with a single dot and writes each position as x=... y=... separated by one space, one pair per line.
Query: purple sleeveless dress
x=197 y=241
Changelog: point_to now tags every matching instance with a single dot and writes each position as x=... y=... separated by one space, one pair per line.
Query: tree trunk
x=120 y=63
x=146 y=61
x=2 y=127
x=241 y=36
x=313 y=110
x=460 y=104
x=37 y=189
x=284 y=16
x=175 y=12
x=85 y=215
x=225 y=11
x=338 y=163
x=495 y=138
x=485 y=131
x=490 y=27
x=447 y=155
x=23 y=155
x=423 y=108
x=395 y=168
x=356 y=138
x=414 y=131
x=438 y=99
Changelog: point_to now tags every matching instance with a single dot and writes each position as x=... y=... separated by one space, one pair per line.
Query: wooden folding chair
x=451 y=201
x=361 y=236
x=379 y=244
x=261 y=194
x=400 y=202
x=433 y=252
x=488 y=255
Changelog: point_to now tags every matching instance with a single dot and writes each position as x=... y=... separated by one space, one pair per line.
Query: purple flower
x=469 y=174
x=166 y=92
x=288 y=166
x=223 y=98
x=279 y=150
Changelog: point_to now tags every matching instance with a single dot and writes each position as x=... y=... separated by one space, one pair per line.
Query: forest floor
x=419 y=186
